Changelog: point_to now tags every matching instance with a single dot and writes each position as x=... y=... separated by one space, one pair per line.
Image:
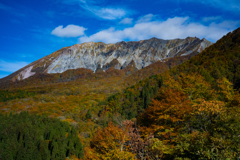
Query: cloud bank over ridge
x=177 y=27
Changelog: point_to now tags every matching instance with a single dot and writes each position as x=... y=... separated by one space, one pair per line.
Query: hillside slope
x=217 y=61
x=189 y=112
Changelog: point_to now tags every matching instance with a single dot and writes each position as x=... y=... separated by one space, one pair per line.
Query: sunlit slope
x=189 y=112
x=101 y=56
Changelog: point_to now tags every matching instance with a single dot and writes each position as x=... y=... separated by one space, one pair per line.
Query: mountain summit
x=101 y=56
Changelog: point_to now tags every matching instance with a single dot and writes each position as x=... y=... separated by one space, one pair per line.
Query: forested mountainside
x=189 y=112
x=101 y=56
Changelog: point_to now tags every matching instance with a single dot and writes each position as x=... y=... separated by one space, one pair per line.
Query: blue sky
x=30 y=30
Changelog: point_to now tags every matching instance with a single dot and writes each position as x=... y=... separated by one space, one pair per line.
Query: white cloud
x=177 y=27
x=146 y=18
x=226 y=24
x=69 y=31
x=11 y=66
x=108 y=36
x=73 y=2
x=108 y=13
x=214 y=18
x=126 y=21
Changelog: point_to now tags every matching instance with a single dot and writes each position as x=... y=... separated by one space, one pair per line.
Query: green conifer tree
x=89 y=114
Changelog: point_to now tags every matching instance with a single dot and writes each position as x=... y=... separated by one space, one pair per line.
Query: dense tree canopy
x=27 y=137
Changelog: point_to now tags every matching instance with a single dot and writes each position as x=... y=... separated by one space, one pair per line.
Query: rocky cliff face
x=101 y=56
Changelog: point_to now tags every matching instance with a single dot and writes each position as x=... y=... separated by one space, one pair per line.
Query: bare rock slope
x=101 y=56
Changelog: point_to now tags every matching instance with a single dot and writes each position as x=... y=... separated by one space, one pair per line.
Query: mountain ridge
x=100 y=56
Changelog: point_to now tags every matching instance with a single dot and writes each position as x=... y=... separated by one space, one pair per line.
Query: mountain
x=184 y=106
x=100 y=56
x=220 y=60
x=79 y=96
x=191 y=111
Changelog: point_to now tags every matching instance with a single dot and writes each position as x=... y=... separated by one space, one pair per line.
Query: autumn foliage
x=191 y=111
x=109 y=143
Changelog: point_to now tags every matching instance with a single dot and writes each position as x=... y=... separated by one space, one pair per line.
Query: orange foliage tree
x=109 y=143
x=164 y=118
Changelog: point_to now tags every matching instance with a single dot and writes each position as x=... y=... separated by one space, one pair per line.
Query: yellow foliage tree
x=225 y=88
x=192 y=85
x=164 y=117
x=208 y=107
x=109 y=143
